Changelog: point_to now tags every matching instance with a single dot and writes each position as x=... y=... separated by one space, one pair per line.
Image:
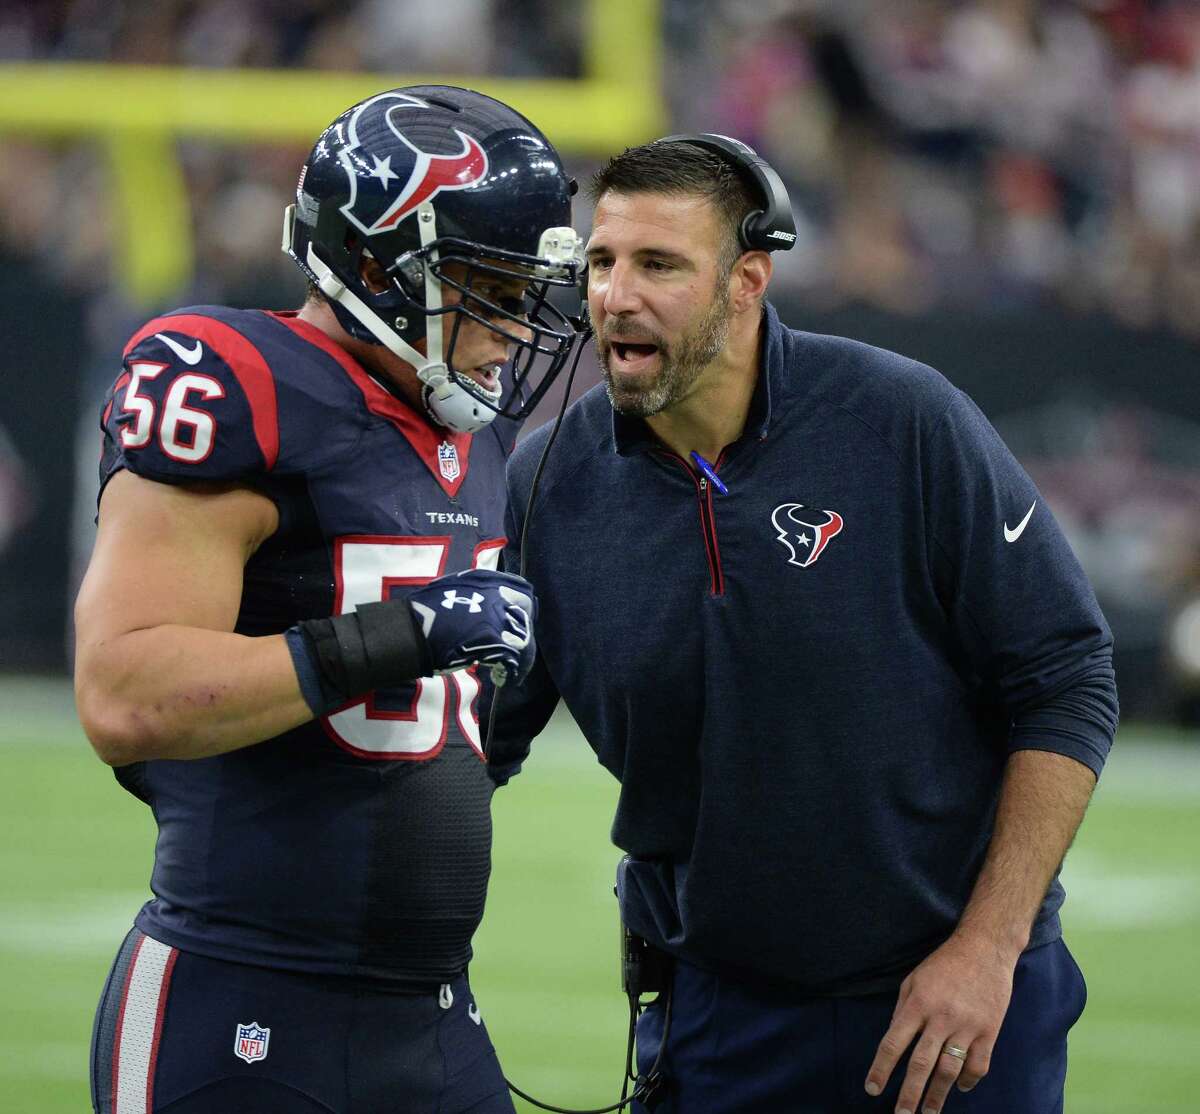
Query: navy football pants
x=180 y=1034
x=737 y=1051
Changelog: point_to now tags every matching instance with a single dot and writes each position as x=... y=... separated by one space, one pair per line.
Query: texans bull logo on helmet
x=805 y=531
x=429 y=175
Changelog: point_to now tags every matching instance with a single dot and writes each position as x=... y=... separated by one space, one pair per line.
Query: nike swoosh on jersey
x=1012 y=535
x=187 y=355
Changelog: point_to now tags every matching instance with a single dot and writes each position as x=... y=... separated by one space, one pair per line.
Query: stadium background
x=1007 y=189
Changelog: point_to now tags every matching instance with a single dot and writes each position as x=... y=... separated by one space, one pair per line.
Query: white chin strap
x=448 y=402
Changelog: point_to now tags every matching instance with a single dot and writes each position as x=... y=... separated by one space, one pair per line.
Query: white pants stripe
x=139 y=1026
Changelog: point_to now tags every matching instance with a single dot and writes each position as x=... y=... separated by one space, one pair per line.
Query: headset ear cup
x=772 y=228
x=750 y=233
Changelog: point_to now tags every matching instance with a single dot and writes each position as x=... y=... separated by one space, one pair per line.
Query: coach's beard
x=676 y=372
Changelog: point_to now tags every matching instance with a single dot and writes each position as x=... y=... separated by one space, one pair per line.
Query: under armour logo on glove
x=492 y=627
x=472 y=601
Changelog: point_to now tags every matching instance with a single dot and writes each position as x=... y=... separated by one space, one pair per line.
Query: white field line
x=39 y=706
x=1152 y=771
x=1099 y=897
x=1086 y=1102
x=87 y=925
x=45 y=1060
x=1144 y=1043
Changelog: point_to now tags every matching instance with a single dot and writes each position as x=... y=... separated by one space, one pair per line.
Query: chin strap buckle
x=436 y=378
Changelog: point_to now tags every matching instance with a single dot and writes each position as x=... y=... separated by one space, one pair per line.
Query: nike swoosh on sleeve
x=187 y=355
x=1012 y=535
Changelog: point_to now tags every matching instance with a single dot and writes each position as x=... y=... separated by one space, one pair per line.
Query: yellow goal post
x=137 y=113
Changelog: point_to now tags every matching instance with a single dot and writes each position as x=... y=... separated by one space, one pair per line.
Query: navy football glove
x=450 y=623
x=478 y=617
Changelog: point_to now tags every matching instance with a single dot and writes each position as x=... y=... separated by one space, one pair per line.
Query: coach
x=811 y=613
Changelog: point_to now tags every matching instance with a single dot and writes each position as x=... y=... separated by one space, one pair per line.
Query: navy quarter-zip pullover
x=809 y=687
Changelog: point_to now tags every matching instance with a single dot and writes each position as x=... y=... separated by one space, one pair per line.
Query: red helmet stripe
x=454 y=172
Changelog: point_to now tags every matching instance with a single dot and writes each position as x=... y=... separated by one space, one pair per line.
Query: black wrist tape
x=395 y=645
x=377 y=645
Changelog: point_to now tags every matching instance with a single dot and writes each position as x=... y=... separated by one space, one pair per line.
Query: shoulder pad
x=195 y=400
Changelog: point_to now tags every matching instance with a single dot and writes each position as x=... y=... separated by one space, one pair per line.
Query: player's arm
x=159 y=672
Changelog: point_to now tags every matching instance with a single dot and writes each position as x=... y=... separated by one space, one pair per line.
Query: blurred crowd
x=993 y=153
x=987 y=154
x=522 y=38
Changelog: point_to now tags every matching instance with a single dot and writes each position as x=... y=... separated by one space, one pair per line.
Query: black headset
x=771 y=228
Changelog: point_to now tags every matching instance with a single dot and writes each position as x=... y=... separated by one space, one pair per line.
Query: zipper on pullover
x=708 y=522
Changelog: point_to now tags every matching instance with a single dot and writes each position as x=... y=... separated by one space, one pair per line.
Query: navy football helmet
x=442 y=187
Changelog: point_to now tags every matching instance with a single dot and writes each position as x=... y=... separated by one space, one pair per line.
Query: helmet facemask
x=539 y=334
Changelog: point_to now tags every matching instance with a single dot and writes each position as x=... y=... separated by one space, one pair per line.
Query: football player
x=294 y=578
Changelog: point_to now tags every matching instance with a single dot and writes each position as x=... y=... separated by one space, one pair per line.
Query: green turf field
x=76 y=855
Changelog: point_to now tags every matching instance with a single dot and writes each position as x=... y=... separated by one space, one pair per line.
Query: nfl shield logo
x=448 y=461
x=251 y=1042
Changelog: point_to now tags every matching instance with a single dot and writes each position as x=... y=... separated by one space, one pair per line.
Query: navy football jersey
x=358 y=843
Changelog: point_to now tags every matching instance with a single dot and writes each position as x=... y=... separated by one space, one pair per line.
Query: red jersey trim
x=422 y=436
x=243 y=359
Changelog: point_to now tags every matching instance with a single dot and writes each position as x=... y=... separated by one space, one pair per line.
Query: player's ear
x=372 y=273
x=749 y=279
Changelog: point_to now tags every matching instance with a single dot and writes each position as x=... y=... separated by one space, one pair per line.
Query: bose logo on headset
x=771 y=228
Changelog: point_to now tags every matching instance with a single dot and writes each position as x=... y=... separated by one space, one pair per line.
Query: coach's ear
x=749 y=279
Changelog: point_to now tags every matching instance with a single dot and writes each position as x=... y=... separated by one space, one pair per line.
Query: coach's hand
x=955 y=999
x=478 y=617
